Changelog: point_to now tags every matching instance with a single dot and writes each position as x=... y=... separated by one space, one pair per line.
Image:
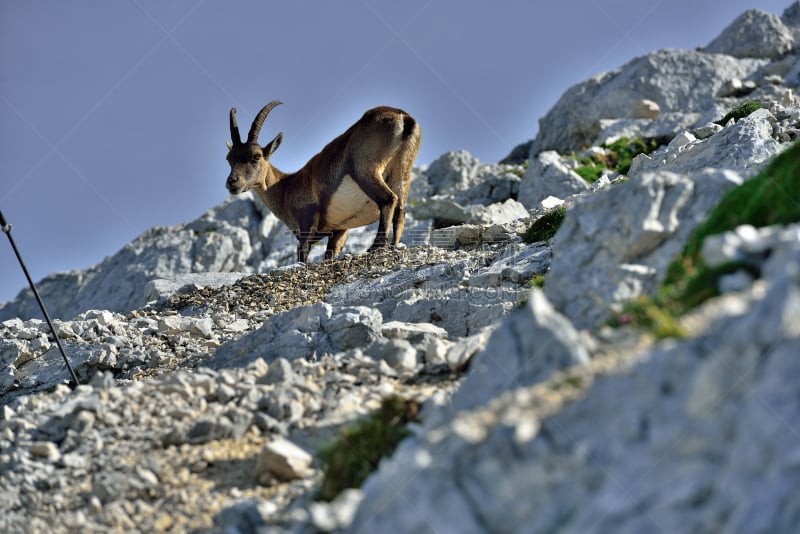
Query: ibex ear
x=228 y=144
x=273 y=145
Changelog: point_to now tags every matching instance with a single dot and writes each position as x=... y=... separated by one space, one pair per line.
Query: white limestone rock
x=754 y=34
x=549 y=175
x=681 y=81
x=703 y=418
x=616 y=244
x=743 y=147
x=645 y=109
x=282 y=460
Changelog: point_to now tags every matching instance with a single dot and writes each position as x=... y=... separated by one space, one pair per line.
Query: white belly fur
x=350 y=207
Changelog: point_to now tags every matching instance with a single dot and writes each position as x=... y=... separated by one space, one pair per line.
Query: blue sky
x=114 y=113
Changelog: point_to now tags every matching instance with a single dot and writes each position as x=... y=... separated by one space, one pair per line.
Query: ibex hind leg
x=386 y=199
x=399 y=180
x=398 y=224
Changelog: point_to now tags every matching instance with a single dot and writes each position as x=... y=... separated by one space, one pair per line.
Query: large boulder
x=527 y=348
x=462 y=296
x=548 y=175
x=617 y=244
x=692 y=436
x=452 y=171
x=754 y=33
x=457 y=188
x=227 y=238
x=304 y=332
x=791 y=18
x=743 y=147
x=679 y=81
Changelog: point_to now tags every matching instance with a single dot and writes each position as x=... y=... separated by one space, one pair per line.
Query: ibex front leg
x=335 y=244
x=303 y=246
x=307 y=233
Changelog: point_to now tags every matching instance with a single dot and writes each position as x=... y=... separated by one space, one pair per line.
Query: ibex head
x=249 y=161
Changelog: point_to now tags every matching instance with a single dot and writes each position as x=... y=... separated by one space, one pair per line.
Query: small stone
x=280 y=371
x=639 y=162
x=412 y=331
x=163 y=522
x=681 y=140
x=752 y=241
x=95 y=505
x=550 y=203
x=201 y=327
x=102 y=380
x=148 y=477
x=6 y=412
x=704 y=132
x=104 y=317
x=436 y=352
x=75 y=521
x=282 y=460
x=8 y=377
x=398 y=353
x=39 y=344
x=337 y=514
x=645 y=109
x=169 y=325
x=386 y=370
x=239 y=325
x=720 y=249
x=245 y=516
x=736 y=88
x=497 y=233
x=74 y=460
x=45 y=449
x=735 y=282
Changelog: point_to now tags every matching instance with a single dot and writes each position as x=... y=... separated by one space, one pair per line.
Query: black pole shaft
x=7 y=230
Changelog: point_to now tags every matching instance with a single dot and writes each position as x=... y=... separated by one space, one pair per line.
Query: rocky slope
x=209 y=390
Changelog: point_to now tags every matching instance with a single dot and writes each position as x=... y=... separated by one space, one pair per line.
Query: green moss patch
x=355 y=454
x=546 y=226
x=740 y=112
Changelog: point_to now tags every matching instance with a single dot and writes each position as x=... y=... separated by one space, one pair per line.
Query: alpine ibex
x=360 y=177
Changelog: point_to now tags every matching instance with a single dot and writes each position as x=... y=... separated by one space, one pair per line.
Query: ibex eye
x=255 y=158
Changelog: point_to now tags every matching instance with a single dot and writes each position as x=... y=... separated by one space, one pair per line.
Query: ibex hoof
x=375 y=246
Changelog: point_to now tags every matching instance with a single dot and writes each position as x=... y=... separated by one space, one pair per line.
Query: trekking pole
x=7 y=230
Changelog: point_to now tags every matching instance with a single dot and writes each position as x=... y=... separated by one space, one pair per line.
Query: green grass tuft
x=536 y=281
x=349 y=459
x=591 y=171
x=654 y=314
x=740 y=112
x=624 y=150
x=546 y=226
x=618 y=158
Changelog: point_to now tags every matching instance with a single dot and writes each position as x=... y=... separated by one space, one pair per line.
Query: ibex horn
x=252 y=137
x=235 y=137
